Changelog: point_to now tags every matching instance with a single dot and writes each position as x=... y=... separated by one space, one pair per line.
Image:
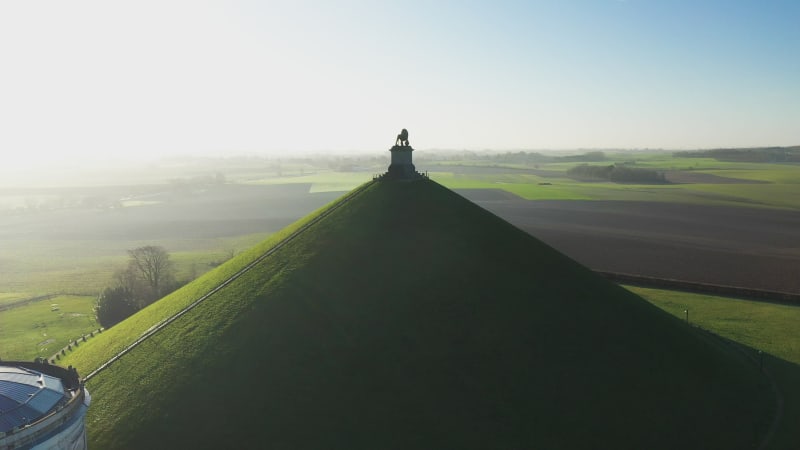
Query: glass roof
x=26 y=395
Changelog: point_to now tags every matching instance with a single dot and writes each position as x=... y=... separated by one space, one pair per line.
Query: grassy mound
x=411 y=318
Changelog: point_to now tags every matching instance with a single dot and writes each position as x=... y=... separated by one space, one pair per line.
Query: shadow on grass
x=785 y=375
x=778 y=431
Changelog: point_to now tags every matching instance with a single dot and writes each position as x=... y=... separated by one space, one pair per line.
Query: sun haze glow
x=95 y=79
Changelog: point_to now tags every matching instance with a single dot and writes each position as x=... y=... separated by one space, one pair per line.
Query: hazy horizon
x=91 y=81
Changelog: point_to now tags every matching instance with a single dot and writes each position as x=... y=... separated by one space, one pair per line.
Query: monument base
x=401 y=167
x=404 y=172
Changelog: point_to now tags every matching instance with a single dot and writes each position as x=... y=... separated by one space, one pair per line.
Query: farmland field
x=716 y=222
x=75 y=250
x=43 y=327
x=696 y=181
x=753 y=248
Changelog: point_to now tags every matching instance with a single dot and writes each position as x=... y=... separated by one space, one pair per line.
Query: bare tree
x=128 y=278
x=152 y=264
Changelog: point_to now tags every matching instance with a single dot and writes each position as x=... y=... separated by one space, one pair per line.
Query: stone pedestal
x=401 y=167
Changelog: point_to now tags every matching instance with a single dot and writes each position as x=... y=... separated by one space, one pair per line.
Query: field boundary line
x=26 y=301
x=166 y=322
x=703 y=288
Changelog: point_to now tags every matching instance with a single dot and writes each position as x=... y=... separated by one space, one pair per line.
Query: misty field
x=76 y=249
x=327 y=181
x=70 y=248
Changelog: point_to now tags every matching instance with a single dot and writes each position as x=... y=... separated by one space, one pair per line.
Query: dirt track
x=743 y=247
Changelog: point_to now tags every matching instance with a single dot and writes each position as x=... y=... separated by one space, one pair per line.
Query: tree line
x=617 y=173
x=758 y=155
x=523 y=157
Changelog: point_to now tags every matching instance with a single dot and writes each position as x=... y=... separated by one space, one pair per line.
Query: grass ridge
x=213 y=281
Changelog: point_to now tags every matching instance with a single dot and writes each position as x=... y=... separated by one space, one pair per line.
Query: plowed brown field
x=741 y=247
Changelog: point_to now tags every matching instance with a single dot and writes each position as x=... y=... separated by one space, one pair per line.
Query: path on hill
x=753 y=248
x=166 y=322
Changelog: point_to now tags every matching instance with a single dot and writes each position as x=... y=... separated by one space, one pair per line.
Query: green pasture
x=88 y=272
x=781 y=187
x=668 y=162
x=44 y=327
x=36 y=267
x=528 y=187
x=771 y=173
x=772 y=328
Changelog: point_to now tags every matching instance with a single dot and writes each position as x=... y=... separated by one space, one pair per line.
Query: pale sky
x=107 y=79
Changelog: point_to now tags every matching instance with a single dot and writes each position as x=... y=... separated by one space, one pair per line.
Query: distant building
x=42 y=406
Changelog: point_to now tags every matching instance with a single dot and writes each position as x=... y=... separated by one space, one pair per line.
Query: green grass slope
x=411 y=318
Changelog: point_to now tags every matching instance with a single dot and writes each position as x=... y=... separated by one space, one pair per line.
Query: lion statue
x=402 y=138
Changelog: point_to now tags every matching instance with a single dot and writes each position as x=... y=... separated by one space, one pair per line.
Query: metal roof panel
x=19 y=392
x=45 y=400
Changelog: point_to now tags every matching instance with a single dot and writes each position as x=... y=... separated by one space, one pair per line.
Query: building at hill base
x=42 y=406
